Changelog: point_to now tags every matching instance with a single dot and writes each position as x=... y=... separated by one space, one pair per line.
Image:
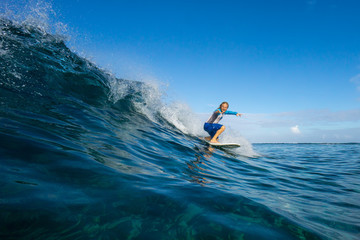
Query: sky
x=291 y=67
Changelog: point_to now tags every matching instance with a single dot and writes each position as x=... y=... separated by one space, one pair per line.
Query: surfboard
x=229 y=145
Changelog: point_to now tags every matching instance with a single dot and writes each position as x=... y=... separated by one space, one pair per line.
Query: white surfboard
x=230 y=145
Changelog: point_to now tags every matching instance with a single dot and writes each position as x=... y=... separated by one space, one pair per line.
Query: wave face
x=85 y=155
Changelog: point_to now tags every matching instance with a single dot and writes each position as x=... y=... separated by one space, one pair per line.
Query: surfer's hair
x=224 y=103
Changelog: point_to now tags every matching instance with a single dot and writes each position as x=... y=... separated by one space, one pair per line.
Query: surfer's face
x=224 y=107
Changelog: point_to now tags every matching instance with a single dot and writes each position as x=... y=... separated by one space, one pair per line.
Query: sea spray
x=150 y=99
x=35 y=14
x=232 y=135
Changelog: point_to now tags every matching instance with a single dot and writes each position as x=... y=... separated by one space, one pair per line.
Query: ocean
x=87 y=155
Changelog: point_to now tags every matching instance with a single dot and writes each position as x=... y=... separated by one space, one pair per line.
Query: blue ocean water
x=85 y=155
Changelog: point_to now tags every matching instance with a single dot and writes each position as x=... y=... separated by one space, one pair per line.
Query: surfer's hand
x=238 y=114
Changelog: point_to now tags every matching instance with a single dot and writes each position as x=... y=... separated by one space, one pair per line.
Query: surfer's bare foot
x=207 y=138
x=214 y=141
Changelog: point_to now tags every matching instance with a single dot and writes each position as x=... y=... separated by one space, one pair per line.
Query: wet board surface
x=230 y=145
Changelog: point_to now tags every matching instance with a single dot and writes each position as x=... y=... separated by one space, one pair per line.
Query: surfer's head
x=224 y=106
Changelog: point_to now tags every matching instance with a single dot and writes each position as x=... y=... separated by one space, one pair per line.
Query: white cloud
x=295 y=129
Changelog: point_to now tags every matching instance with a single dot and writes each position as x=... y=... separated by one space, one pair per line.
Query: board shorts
x=212 y=128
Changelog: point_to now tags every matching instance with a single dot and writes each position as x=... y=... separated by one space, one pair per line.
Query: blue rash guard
x=211 y=125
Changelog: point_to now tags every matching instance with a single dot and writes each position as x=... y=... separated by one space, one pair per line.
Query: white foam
x=182 y=117
x=231 y=135
x=154 y=102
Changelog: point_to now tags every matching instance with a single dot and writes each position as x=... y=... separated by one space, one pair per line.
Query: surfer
x=212 y=125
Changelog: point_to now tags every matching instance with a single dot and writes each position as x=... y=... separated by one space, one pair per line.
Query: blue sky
x=293 y=67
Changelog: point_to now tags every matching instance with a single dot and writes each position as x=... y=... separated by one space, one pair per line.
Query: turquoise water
x=85 y=155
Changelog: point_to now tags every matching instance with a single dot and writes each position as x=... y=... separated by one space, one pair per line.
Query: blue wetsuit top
x=218 y=115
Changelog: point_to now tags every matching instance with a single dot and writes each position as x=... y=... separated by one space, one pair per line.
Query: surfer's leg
x=217 y=134
x=209 y=129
